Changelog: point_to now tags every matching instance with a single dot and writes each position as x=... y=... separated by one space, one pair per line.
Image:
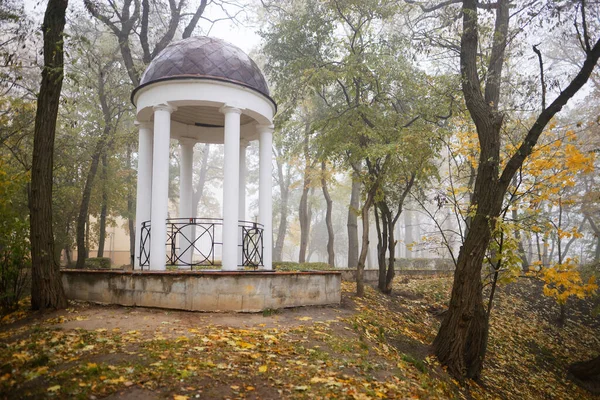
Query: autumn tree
x=103 y=84
x=46 y=287
x=358 y=71
x=462 y=339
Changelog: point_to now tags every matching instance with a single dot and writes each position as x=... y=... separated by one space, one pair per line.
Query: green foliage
x=97 y=263
x=436 y=264
x=15 y=259
x=307 y=266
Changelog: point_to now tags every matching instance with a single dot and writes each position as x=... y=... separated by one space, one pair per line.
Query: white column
x=160 y=186
x=242 y=175
x=144 y=185
x=265 y=201
x=231 y=187
x=186 y=165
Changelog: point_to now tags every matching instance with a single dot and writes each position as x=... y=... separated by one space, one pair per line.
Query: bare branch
x=539 y=54
x=189 y=29
x=547 y=114
x=424 y=8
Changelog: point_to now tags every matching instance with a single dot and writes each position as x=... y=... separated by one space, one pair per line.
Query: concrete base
x=204 y=291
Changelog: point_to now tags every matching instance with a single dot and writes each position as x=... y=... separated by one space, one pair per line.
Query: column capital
x=227 y=109
x=144 y=124
x=187 y=141
x=265 y=128
x=244 y=142
x=165 y=107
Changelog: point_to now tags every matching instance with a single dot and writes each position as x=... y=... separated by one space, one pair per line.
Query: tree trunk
x=522 y=254
x=352 y=224
x=91 y=176
x=104 y=208
x=381 y=225
x=68 y=255
x=46 y=285
x=199 y=187
x=328 y=222
x=360 y=266
x=303 y=211
x=284 y=188
x=391 y=269
x=587 y=374
x=85 y=202
x=460 y=343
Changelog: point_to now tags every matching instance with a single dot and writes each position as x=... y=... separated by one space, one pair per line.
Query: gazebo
x=202 y=90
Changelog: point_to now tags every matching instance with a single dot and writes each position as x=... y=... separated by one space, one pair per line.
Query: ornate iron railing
x=191 y=242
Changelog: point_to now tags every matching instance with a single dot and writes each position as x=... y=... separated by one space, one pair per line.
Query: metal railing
x=191 y=242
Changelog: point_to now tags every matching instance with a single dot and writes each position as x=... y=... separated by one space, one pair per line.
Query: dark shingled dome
x=206 y=58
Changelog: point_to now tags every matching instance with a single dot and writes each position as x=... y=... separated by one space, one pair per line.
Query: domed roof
x=205 y=58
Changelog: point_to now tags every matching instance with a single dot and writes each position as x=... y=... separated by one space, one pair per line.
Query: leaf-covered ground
x=375 y=347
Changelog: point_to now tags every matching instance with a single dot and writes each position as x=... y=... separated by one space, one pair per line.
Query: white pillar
x=144 y=185
x=186 y=165
x=265 y=201
x=242 y=175
x=160 y=186
x=231 y=187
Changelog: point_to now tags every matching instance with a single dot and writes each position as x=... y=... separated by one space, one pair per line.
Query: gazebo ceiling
x=204 y=116
x=205 y=58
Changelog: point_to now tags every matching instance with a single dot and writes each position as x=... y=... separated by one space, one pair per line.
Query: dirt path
x=149 y=320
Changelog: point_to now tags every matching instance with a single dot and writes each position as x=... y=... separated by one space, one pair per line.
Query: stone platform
x=244 y=291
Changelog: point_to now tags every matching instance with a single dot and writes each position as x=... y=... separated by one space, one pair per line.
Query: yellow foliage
x=562 y=281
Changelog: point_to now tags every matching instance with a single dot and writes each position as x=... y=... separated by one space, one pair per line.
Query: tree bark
x=381 y=225
x=328 y=222
x=362 y=258
x=352 y=224
x=303 y=211
x=46 y=285
x=284 y=188
x=522 y=254
x=82 y=218
x=104 y=207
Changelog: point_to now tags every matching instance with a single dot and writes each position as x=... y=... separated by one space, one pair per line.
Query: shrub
x=15 y=262
x=97 y=263
x=15 y=253
x=307 y=266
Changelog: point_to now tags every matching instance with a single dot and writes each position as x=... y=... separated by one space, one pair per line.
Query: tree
x=359 y=76
x=328 y=222
x=46 y=287
x=112 y=111
x=284 y=176
x=462 y=339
